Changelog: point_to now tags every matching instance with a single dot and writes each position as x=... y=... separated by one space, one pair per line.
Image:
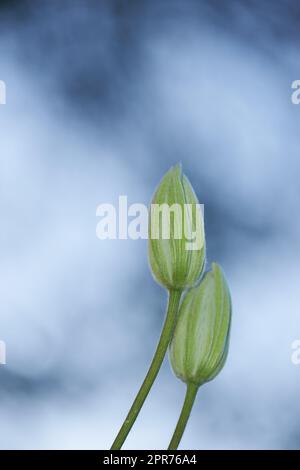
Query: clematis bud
x=176 y=233
x=200 y=342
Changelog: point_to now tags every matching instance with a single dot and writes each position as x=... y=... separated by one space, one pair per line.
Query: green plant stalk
x=165 y=338
x=190 y=396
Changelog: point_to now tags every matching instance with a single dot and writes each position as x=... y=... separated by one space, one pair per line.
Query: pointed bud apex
x=176 y=233
x=200 y=343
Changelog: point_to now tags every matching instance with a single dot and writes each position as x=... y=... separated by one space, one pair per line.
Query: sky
x=102 y=99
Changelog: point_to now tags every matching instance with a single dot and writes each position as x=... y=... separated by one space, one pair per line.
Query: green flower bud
x=200 y=342
x=176 y=233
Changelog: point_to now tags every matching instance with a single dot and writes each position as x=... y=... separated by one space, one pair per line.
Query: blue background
x=102 y=98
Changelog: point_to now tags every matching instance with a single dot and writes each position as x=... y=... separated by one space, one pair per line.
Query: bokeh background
x=102 y=98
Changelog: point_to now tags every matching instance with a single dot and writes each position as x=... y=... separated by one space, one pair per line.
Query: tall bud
x=176 y=233
x=200 y=342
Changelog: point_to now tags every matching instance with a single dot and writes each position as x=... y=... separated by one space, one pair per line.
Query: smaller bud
x=199 y=347
x=176 y=233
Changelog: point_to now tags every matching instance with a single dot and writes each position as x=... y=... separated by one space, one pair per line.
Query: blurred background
x=102 y=98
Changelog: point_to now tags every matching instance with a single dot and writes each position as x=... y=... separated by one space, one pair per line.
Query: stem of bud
x=190 y=396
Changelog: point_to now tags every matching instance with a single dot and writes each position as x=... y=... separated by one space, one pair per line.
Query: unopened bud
x=176 y=233
x=200 y=342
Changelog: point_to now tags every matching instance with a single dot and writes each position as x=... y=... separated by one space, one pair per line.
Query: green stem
x=190 y=396
x=165 y=338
